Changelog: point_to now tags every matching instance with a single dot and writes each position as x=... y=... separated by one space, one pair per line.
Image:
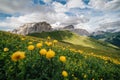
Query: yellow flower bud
x=31 y=47
x=18 y=55
x=39 y=45
x=62 y=58
x=55 y=41
x=64 y=74
x=43 y=51
x=50 y=54
x=6 y=49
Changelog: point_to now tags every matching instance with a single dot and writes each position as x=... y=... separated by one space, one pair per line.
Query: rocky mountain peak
x=69 y=27
x=82 y=32
x=33 y=27
x=44 y=26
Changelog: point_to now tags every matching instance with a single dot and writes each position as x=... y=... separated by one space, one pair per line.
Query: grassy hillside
x=82 y=42
x=31 y=58
x=73 y=38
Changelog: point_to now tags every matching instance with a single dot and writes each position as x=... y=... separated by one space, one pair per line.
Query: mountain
x=82 y=32
x=98 y=33
x=113 y=38
x=44 y=26
x=32 y=28
x=79 y=31
x=69 y=27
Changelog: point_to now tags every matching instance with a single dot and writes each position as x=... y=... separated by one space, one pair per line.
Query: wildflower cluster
x=29 y=58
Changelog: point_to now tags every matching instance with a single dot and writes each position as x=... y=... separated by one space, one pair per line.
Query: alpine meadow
x=59 y=39
x=50 y=57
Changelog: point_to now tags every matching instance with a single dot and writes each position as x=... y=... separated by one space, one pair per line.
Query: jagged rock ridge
x=82 y=32
x=44 y=26
x=32 y=28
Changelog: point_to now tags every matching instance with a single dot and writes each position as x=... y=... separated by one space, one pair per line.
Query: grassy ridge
x=78 y=65
x=81 y=42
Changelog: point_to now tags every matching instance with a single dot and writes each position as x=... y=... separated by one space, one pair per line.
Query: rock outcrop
x=69 y=27
x=82 y=32
x=46 y=27
x=33 y=28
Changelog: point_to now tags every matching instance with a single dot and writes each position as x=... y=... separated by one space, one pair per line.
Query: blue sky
x=85 y=14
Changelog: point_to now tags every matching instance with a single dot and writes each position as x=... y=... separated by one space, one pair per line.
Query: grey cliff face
x=69 y=27
x=33 y=28
x=46 y=27
x=82 y=32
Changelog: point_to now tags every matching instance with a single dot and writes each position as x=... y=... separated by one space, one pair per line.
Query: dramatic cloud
x=60 y=13
x=109 y=5
x=51 y=18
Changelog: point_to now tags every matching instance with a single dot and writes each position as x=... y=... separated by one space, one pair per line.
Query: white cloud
x=113 y=5
x=54 y=13
x=58 y=7
x=105 y=5
x=14 y=6
x=75 y=4
x=97 y=4
x=49 y=17
x=95 y=22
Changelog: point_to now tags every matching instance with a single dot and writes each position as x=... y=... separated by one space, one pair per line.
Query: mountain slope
x=24 y=57
x=73 y=38
x=81 y=42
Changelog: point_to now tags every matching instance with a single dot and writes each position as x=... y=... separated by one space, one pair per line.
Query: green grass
x=79 y=66
x=82 y=42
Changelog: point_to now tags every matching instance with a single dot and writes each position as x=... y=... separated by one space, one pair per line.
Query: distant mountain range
x=113 y=38
x=46 y=27
x=108 y=36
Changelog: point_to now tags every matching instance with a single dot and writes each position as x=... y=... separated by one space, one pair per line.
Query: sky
x=91 y=15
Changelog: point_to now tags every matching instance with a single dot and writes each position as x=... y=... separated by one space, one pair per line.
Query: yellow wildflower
x=64 y=73
x=48 y=43
x=18 y=55
x=80 y=51
x=6 y=49
x=55 y=41
x=22 y=39
x=43 y=51
x=62 y=58
x=39 y=45
x=50 y=54
x=48 y=37
x=29 y=42
x=31 y=47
